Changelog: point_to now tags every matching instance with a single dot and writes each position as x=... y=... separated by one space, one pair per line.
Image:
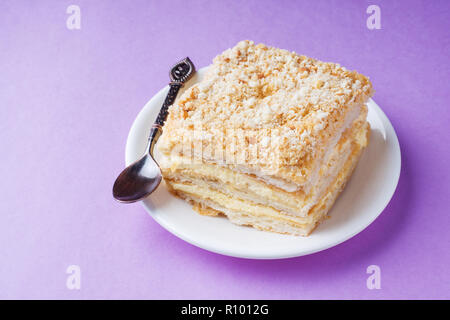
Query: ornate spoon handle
x=179 y=75
x=170 y=99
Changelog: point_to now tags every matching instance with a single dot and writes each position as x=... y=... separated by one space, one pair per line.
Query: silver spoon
x=142 y=177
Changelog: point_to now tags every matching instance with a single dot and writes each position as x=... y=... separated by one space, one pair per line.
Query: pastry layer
x=211 y=201
x=249 y=187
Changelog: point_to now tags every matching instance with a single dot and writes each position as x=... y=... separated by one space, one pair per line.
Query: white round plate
x=366 y=195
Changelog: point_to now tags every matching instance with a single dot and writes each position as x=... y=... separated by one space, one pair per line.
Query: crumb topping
x=291 y=104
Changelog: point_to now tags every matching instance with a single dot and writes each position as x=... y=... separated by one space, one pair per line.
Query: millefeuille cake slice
x=268 y=138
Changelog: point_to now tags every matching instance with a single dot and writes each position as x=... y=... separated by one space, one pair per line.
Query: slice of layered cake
x=267 y=138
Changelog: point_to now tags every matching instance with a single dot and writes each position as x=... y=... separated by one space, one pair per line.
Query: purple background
x=68 y=99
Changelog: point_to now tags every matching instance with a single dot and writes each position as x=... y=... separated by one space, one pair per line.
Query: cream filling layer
x=250 y=188
x=266 y=218
x=242 y=186
x=263 y=222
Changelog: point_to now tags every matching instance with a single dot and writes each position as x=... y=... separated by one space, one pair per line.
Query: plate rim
x=191 y=240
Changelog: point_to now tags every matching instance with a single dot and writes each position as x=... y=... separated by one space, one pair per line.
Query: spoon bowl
x=138 y=180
